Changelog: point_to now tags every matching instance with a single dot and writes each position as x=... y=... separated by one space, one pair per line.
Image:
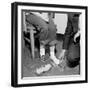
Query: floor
x=29 y=66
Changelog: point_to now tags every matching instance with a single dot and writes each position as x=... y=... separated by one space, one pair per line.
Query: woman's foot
x=43 y=69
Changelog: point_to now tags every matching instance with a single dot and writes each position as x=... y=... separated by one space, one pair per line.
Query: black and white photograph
x=49 y=44
x=44 y=46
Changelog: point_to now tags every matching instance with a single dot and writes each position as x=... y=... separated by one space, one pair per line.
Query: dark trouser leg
x=73 y=62
x=73 y=55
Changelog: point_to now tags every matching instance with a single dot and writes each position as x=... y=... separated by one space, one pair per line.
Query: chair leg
x=32 y=43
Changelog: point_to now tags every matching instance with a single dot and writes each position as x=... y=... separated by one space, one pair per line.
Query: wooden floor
x=29 y=65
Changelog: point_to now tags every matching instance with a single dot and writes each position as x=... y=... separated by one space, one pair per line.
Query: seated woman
x=47 y=33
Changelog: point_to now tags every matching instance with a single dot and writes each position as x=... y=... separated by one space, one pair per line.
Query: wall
x=61 y=22
x=5 y=46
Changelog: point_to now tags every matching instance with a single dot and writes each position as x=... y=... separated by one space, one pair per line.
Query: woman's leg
x=53 y=56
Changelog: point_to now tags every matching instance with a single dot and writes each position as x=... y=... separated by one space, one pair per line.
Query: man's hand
x=62 y=55
x=76 y=35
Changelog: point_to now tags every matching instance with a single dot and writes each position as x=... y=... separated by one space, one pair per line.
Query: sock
x=52 y=55
x=42 y=50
